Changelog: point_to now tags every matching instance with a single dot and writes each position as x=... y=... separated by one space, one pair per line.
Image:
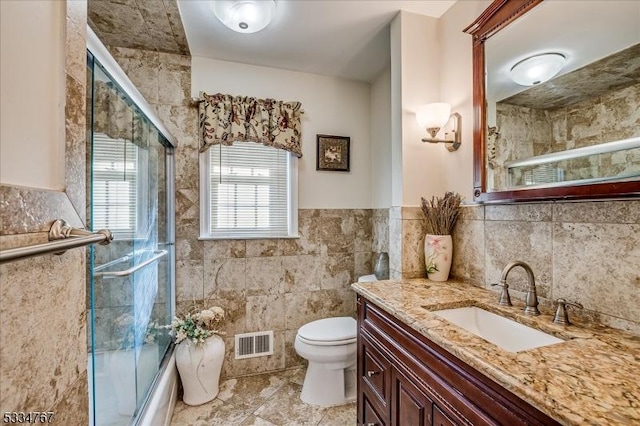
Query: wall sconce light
x=437 y=116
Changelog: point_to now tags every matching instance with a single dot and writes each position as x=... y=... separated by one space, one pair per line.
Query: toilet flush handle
x=371 y=373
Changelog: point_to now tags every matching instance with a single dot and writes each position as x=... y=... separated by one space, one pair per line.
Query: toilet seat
x=329 y=331
x=327 y=343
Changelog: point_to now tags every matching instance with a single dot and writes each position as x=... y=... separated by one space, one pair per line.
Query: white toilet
x=330 y=347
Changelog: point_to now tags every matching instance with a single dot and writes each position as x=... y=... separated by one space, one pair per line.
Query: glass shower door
x=130 y=284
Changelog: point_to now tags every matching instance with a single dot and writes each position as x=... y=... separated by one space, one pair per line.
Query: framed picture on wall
x=333 y=153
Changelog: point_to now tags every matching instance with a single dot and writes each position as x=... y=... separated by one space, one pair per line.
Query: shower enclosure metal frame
x=166 y=376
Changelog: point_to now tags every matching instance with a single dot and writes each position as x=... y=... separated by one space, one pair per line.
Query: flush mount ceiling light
x=245 y=16
x=537 y=69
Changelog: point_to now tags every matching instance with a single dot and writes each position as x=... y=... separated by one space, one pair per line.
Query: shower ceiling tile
x=139 y=24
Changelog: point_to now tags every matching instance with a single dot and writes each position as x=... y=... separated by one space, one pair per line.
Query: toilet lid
x=329 y=329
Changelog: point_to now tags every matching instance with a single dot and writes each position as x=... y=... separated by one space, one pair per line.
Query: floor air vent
x=249 y=345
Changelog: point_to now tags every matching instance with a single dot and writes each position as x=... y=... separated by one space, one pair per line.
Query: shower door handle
x=159 y=255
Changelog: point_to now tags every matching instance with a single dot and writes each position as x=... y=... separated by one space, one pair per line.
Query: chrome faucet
x=531 y=301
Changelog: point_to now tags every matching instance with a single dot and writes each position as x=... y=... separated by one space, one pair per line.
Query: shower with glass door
x=130 y=281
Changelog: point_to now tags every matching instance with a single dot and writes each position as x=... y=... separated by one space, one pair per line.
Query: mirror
x=573 y=133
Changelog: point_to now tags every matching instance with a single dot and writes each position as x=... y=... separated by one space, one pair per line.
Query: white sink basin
x=508 y=334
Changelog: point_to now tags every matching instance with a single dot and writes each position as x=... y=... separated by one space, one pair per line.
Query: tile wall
x=532 y=132
x=280 y=284
x=406 y=242
x=585 y=252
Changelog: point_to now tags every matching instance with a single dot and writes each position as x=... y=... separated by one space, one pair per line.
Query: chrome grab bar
x=159 y=255
x=62 y=237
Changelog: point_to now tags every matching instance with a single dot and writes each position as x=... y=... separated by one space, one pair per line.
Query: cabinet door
x=409 y=406
x=441 y=419
x=370 y=416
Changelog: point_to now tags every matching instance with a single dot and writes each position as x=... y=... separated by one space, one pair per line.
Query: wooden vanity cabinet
x=404 y=379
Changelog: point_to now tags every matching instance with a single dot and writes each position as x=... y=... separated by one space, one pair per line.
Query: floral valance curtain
x=225 y=119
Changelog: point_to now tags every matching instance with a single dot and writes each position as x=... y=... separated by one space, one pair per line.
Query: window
x=115 y=185
x=248 y=190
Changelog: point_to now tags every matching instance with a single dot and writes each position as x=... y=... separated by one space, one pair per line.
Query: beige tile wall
x=280 y=284
x=585 y=252
x=525 y=132
x=380 y=230
x=43 y=334
x=406 y=242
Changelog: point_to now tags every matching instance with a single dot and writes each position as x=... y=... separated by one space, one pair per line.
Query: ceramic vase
x=438 y=251
x=381 y=270
x=199 y=367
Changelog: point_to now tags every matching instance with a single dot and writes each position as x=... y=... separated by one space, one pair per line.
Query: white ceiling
x=344 y=38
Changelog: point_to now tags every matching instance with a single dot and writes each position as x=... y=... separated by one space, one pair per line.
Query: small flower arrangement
x=197 y=326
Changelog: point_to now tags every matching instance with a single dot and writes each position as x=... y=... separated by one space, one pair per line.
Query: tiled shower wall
x=587 y=252
x=43 y=350
x=277 y=284
x=526 y=132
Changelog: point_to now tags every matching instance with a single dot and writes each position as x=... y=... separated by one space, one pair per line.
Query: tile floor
x=263 y=400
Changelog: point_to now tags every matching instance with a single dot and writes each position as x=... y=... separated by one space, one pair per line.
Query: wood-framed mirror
x=574 y=136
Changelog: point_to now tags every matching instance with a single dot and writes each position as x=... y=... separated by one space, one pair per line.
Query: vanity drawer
x=374 y=371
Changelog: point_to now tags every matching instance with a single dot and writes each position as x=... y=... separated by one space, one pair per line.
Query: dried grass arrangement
x=441 y=213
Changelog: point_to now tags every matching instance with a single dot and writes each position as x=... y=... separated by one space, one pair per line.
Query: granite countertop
x=591 y=378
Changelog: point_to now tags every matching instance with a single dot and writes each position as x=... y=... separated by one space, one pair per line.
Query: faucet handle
x=561 y=316
x=504 y=300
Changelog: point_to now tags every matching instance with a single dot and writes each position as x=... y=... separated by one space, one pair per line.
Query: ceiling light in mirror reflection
x=245 y=16
x=537 y=69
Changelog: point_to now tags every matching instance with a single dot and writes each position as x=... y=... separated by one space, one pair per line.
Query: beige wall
x=415 y=80
x=43 y=351
x=421 y=163
x=381 y=141
x=456 y=88
x=333 y=106
x=32 y=82
x=397 y=183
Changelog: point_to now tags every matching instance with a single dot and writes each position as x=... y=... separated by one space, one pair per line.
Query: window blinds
x=114 y=197
x=249 y=194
